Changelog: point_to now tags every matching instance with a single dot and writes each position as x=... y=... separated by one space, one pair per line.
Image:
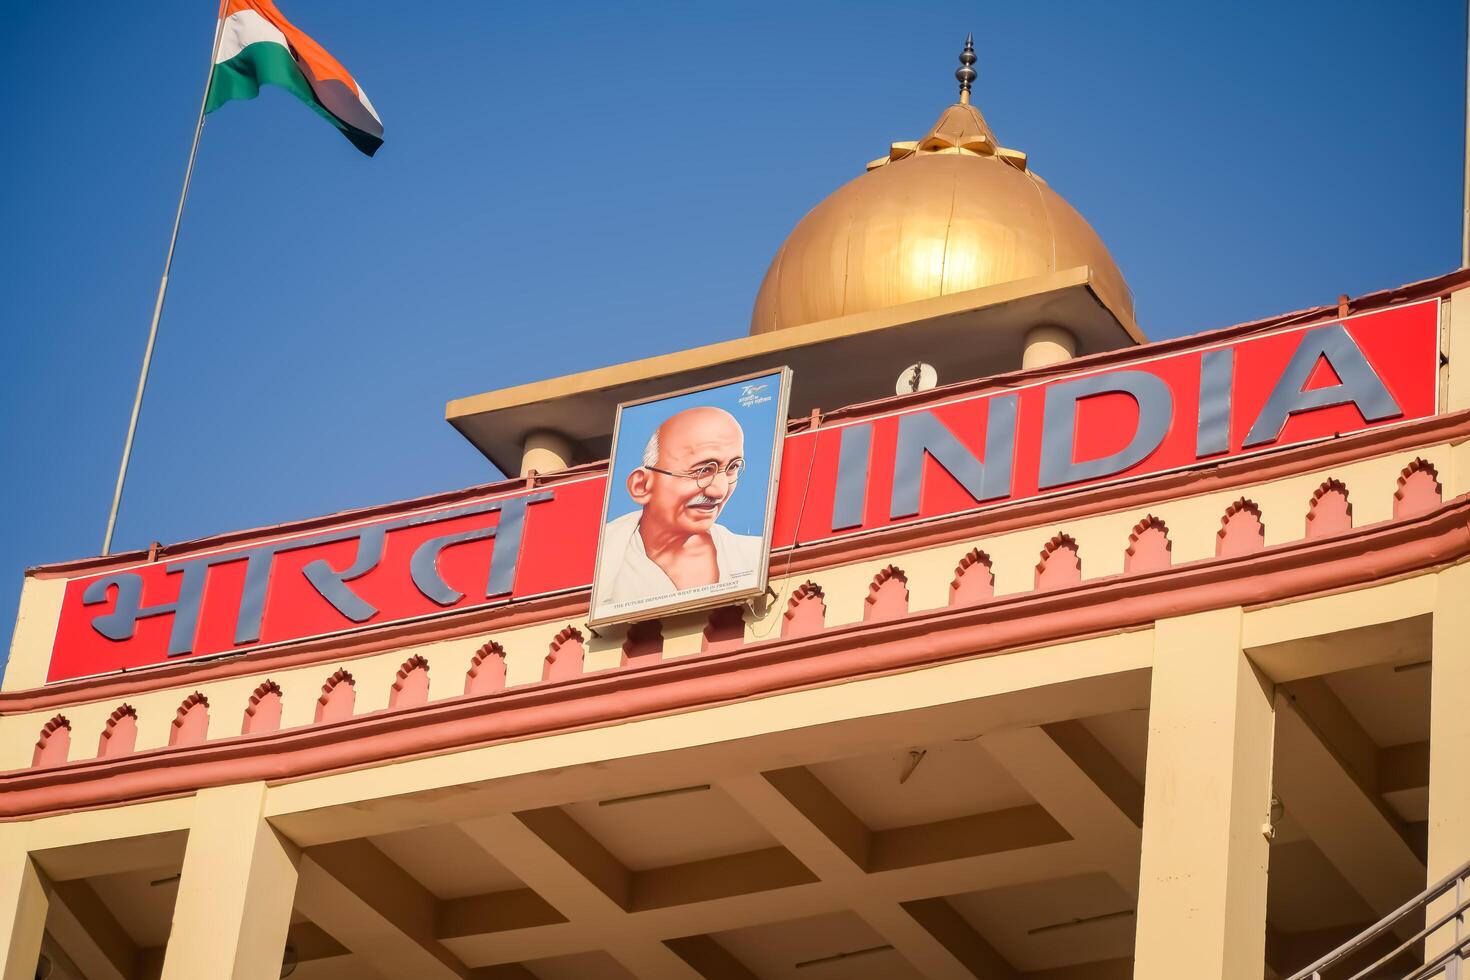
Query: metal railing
x=1446 y=965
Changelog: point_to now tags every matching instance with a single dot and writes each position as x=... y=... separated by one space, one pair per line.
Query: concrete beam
x=311 y=942
x=477 y=915
x=710 y=959
x=1082 y=787
x=1387 y=623
x=111 y=840
x=559 y=860
x=1403 y=767
x=113 y=855
x=941 y=920
x=1003 y=869
x=581 y=879
x=767 y=870
x=824 y=835
x=961 y=838
x=1120 y=969
x=1343 y=817
x=81 y=924
x=376 y=909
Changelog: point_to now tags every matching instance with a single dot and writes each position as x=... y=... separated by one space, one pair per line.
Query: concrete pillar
x=23 y=906
x=1456 y=344
x=236 y=891
x=1202 y=873
x=30 y=646
x=1449 y=740
x=1047 y=345
x=546 y=452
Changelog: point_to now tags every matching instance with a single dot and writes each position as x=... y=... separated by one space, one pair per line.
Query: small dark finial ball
x=965 y=75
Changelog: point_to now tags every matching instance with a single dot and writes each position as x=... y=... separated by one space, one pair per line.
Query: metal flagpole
x=173 y=239
x=1465 y=217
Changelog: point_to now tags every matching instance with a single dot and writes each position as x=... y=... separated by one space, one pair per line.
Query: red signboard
x=1146 y=416
x=1398 y=346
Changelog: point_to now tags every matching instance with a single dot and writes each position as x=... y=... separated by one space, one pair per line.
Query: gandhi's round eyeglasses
x=705 y=474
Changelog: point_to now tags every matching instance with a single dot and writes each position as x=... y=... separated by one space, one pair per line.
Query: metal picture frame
x=676 y=604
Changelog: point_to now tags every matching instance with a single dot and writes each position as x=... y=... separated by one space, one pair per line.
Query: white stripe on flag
x=243 y=28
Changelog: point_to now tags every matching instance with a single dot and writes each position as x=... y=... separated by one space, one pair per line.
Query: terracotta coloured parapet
x=806 y=560
x=1307 y=567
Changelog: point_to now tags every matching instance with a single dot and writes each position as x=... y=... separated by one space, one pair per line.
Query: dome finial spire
x=966 y=71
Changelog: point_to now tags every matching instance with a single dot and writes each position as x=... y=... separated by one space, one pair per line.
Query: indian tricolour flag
x=257 y=46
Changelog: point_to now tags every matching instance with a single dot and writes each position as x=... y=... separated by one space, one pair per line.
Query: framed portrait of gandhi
x=691 y=491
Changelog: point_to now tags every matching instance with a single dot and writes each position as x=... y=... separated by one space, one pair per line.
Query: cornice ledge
x=857 y=650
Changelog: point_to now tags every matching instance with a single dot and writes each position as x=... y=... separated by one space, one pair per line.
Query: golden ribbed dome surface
x=941 y=215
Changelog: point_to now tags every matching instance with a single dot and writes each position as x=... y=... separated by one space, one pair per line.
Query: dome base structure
x=964 y=335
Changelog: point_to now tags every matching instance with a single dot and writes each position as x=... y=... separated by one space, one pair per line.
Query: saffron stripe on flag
x=258 y=46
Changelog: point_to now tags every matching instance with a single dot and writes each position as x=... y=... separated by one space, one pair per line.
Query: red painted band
x=1303 y=568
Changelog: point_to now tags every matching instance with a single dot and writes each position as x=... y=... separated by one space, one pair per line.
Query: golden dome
x=941 y=215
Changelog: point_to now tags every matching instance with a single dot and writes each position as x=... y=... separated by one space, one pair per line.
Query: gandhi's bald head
x=700 y=421
x=671 y=497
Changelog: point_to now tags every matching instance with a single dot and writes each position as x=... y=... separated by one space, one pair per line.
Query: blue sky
x=576 y=184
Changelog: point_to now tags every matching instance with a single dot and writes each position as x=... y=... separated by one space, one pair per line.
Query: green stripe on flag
x=268 y=63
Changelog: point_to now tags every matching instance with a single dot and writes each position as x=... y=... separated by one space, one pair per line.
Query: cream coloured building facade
x=1199 y=718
